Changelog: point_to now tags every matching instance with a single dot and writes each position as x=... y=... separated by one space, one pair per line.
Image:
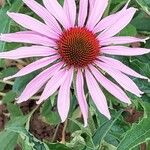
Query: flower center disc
x=78 y=47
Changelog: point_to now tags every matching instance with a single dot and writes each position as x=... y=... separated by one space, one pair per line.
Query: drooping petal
x=96 y=94
x=124 y=51
x=83 y=10
x=44 y=14
x=120 y=66
x=57 y=11
x=53 y=84
x=32 y=24
x=96 y=13
x=70 y=9
x=25 y=52
x=81 y=96
x=63 y=102
x=34 y=85
x=108 y=21
x=27 y=37
x=118 y=25
x=110 y=86
x=121 y=79
x=34 y=66
x=120 y=40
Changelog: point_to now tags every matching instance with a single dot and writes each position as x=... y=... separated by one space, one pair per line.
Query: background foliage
x=122 y=132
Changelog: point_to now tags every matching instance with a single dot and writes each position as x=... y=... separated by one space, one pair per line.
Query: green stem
x=55 y=134
x=7 y=82
x=64 y=132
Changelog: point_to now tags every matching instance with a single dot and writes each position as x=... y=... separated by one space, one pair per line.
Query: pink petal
x=83 y=8
x=27 y=37
x=121 y=78
x=70 y=9
x=63 y=102
x=110 y=86
x=124 y=51
x=34 y=66
x=25 y=52
x=108 y=21
x=96 y=13
x=81 y=96
x=118 y=25
x=32 y=24
x=44 y=14
x=34 y=85
x=53 y=84
x=120 y=66
x=96 y=94
x=57 y=11
x=120 y=40
x=92 y=2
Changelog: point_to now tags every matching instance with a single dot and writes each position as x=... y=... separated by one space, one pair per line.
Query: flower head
x=75 y=44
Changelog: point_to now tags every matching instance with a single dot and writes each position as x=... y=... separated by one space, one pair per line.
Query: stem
x=21 y=62
x=35 y=97
x=54 y=136
x=7 y=82
x=64 y=132
x=30 y=115
x=32 y=98
x=2 y=94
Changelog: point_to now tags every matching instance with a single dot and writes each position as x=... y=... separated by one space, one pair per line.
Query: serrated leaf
x=138 y=134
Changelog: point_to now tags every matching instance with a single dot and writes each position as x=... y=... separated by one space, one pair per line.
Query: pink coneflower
x=76 y=46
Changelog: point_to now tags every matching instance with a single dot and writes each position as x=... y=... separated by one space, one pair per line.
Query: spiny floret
x=78 y=47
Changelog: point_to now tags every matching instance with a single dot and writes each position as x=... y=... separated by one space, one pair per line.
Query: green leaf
x=129 y=30
x=9 y=97
x=144 y=4
x=61 y=2
x=8 y=140
x=5 y=21
x=7 y=72
x=57 y=146
x=141 y=22
x=49 y=115
x=138 y=134
x=77 y=142
x=103 y=130
x=17 y=122
x=107 y=146
x=85 y=139
x=14 y=110
x=146 y=107
x=21 y=82
x=28 y=138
